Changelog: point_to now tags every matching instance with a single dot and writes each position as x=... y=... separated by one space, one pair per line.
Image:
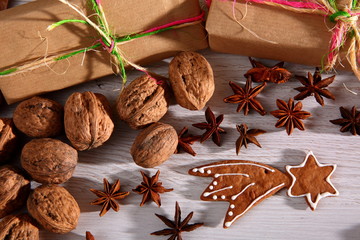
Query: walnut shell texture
x=49 y=160
x=18 y=227
x=54 y=208
x=14 y=190
x=88 y=121
x=8 y=139
x=39 y=117
x=154 y=145
x=192 y=80
x=143 y=101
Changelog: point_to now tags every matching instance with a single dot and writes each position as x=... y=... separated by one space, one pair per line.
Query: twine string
x=108 y=41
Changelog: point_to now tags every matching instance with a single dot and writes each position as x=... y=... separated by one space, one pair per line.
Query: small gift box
x=35 y=60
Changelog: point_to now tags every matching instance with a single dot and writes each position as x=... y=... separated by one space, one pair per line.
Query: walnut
x=18 y=227
x=143 y=101
x=8 y=139
x=192 y=80
x=49 y=160
x=14 y=190
x=39 y=117
x=154 y=145
x=88 y=121
x=54 y=208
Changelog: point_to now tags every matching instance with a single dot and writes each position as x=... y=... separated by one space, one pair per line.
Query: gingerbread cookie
x=311 y=180
x=244 y=184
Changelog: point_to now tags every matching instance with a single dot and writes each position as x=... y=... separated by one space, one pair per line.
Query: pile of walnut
x=86 y=121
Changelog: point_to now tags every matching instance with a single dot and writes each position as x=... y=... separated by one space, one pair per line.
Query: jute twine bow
x=108 y=41
x=346 y=26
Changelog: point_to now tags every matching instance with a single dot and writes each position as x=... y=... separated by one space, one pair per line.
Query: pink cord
x=208 y=3
x=188 y=20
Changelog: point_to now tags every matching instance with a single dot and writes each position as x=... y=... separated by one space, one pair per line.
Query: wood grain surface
x=278 y=217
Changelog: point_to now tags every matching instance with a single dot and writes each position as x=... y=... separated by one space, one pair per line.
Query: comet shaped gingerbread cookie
x=244 y=184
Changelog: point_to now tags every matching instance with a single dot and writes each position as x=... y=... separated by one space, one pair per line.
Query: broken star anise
x=245 y=97
x=151 y=188
x=314 y=85
x=212 y=127
x=247 y=136
x=261 y=73
x=290 y=115
x=177 y=226
x=184 y=142
x=350 y=120
x=108 y=198
x=89 y=236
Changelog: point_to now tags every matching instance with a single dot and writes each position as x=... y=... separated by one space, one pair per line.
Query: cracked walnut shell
x=87 y=119
x=18 y=227
x=8 y=139
x=49 y=160
x=39 y=117
x=192 y=80
x=143 y=101
x=14 y=190
x=154 y=145
x=54 y=208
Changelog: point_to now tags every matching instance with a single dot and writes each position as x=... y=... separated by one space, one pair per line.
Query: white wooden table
x=278 y=217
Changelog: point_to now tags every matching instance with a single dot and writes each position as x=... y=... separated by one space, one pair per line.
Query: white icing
x=215 y=183
x=208 y=171
x=228 y=224
x=211 y=187
x=232 y=206
x=308 y=195
x=230 y=213
x=234 y=164
x=214 y=197
x=223 y=197
x=235 y=196
x=206 y=194
x=231 y=174
x=195 y=170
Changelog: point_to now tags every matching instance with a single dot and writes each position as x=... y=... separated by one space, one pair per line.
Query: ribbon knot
x=106 y=46
x=339 y=15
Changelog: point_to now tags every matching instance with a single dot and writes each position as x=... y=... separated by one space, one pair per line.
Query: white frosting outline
x=308 y=195
x=206 y=194
x=201 y=169
x=230 y=174
x=234 y=197
x=228 y=224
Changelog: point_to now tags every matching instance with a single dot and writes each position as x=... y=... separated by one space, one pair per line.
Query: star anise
x=184 y=142
x=177 y=226
x=108 y=197
x=314 y=85
x=245 y=97
x=151 y=188
x=247 y=136
x=290 y=115
x=350 y=120
x=261 y=73
x=212 y=127
x=89 y=236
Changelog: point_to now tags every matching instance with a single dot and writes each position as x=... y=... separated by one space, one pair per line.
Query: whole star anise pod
x=108 y=198
x=89 y=236
x=151 y=188
x=247 y=136
x=245 y=97
x=314 y=85
x=290 y=115
x=184 y=142
x=350 y=120
x=212 y=127
x=261 y=73
x=177 y=226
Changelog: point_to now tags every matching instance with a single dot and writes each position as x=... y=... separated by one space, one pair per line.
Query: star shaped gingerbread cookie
x=311 y=180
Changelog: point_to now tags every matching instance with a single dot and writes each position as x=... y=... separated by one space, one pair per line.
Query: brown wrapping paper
x=24 y=39
x=300 y=38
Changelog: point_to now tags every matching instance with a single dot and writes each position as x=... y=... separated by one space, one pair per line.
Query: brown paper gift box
x=300 y=38
x=24 y=39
